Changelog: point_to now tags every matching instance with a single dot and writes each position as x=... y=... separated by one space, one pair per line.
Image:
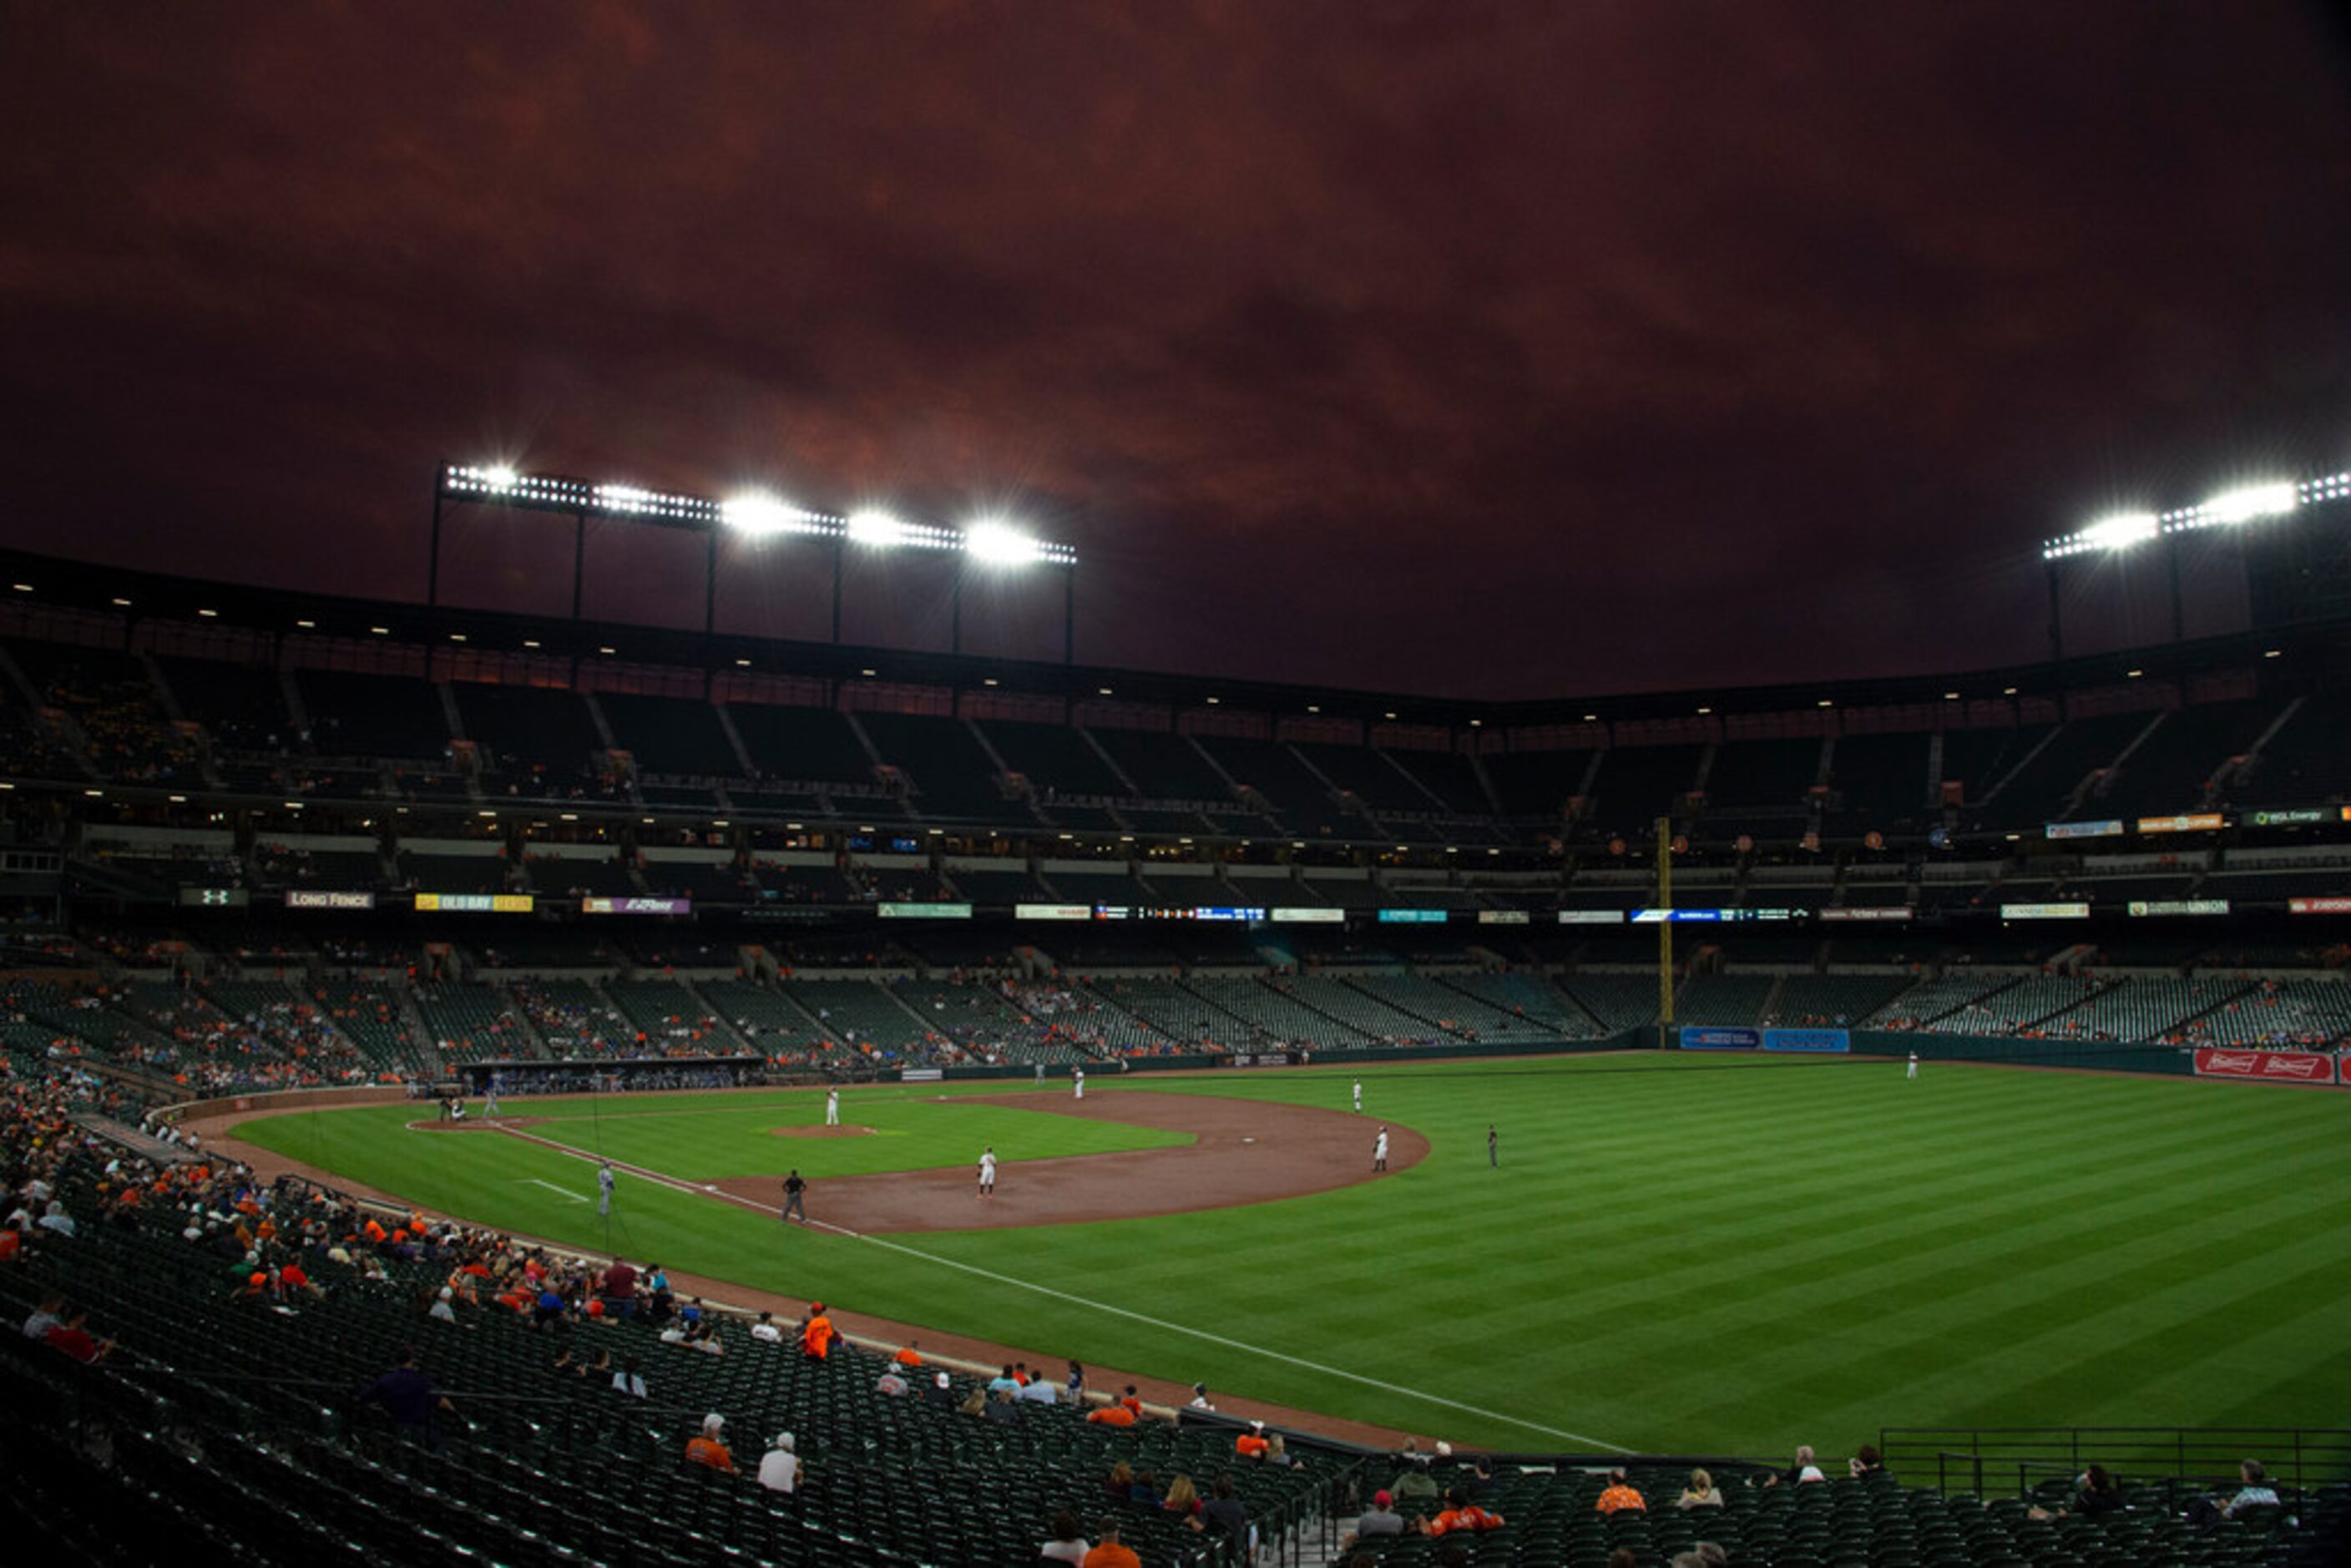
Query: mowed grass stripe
x=1707 y=1255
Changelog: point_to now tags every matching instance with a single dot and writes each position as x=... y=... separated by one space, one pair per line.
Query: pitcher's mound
x=821 y=1132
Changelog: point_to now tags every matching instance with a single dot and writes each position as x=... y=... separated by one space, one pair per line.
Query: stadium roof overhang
x=130 y=596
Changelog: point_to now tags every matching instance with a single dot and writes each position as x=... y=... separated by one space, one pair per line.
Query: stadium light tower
x=2124 y=531
x=753 y=515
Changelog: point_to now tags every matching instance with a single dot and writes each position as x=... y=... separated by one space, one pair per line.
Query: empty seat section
x=1053 y=758
x=809 y=745
x=2168 y=774
x=1618 y=1001
x=2041 y=789
x=1879 y=782
x=1450 y=775
x=241 y=706
x=2305 y=761
x=678 y=736
x=1538 y=784
x=1165 y=1008
x=440 y=873
x=602 y=875
x=1301 y=800
x=1429 y=999
x=1722 y=998
x=1270 y=1015
x=859 y=1012
x=1978 y=759
x=1369 y=776
x=1639 y=784
x=952 y=777
x=393 y=717
x=1164 y=767
x=1834 y=1001
x=766 y=1017
x=539 y=740
x=1763 y=776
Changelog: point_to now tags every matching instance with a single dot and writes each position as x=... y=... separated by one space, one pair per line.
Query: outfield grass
x=1676 y=1254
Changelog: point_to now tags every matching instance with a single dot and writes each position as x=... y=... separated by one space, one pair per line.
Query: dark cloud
x=1472 y=346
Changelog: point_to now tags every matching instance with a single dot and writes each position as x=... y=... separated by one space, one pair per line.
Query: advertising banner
x=1504 y=917
x=2271 y=1066
x=636 y=907
x=214 y=897
x=1310 y=917
x=2319 y=906
x=2290 y=816
x=1893 y=913
x=1676 y=916
x=473 y=903
x=1242 y=914
x=2194 y=823
x=1709 y=1038
x=1412 y=918
x=1806 y=1040
x=2083 y=829
x=2179 y=906
x=923 y=911
x=1052 y=911
x=2044 y=912
x=317 y=898
x=1592 y=917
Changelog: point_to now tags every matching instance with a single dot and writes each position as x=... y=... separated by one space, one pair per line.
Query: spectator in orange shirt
x=816 y=1339
x=1461 y=1513
x=912 y=1355
x=709 y=1449
x=1111 y=1416
x=1251 y=1444
x=1112 y=1552
x=1620 y=1495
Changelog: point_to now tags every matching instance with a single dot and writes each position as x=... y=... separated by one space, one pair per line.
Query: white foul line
x=1242 y=1346
x=559 y=1192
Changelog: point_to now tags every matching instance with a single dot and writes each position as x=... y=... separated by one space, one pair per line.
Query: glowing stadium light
x=500 y=477
x=757 y=513
x=2242 y=505
x=879 y=529
x=1000 y=544
x=2120 y=531
x=623 y=498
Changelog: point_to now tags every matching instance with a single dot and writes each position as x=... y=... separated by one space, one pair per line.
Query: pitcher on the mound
x=1380 y=1152
x=987 y=1172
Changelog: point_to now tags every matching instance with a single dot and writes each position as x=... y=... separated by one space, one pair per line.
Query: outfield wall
x=2096 y=1056
x=1365 y=1056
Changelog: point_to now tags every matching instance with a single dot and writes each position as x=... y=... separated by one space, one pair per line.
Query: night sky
x=1483 y=348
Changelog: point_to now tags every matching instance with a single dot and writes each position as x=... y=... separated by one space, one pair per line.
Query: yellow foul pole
x=1664 y=929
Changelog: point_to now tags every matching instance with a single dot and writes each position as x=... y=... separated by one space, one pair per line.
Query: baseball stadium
x=1940 y=1081
x=1189 y=784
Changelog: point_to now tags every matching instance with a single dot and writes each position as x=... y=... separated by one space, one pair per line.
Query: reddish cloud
x=1469 y=347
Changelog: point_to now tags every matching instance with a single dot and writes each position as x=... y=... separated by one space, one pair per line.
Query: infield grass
x=1676 y=1254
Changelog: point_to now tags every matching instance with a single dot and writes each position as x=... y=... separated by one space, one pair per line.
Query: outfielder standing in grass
x=1493 y=1146
x=1359 y=1096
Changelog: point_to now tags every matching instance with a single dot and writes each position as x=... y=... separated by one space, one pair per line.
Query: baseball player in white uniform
x=832 y=1107
x=987 y=1172
x=1380 y=1152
